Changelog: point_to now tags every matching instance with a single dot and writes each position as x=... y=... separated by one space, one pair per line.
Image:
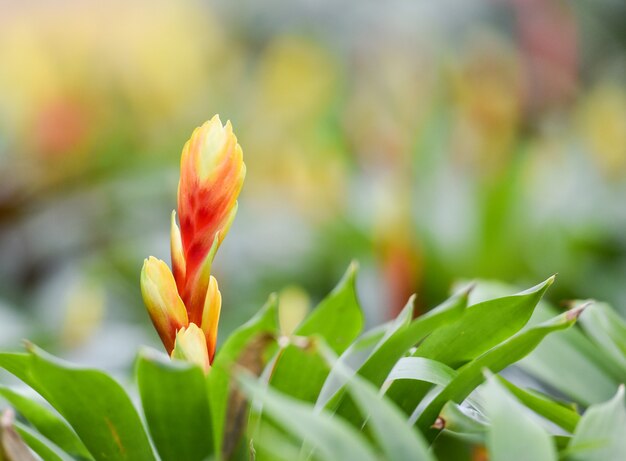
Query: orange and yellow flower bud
x=191 y=346
x=185 y=303
x=165 y=307
x=211 y=175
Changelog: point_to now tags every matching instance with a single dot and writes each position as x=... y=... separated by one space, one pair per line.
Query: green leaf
x=361 y=351
x=496 y=359
x=18 y=364
x=398 y=440
x=49 y=424
x=219 y=378
x=40 y=445
x=422 y=369
x=406 y=335
x=270 y=443
x=353 y=357
x=380 y=363
x=562 y=415
x=176 y=405
x=481 y=327
x=332 y=437
x=608 y=330
x=601 y=432
x=513 y=435
x=338 y=320
x=567 y=360
x=92 y=402
x=456 y=421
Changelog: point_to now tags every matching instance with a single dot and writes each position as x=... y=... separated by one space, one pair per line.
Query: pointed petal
x=211 y=316
x=164 y=305
x=178 y=257
x=191 y=347
x=227 y=223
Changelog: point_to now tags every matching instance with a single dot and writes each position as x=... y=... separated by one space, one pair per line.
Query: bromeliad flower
x=184 y=303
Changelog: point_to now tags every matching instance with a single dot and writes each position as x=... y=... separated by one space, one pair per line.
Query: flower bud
x=191 y=347
x=160 y=295
x=211 y=177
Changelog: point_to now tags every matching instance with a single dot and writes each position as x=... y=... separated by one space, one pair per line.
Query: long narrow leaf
x=482 y=327
x=377 y=367
x=601 y=433
x=332 y=438
x=496 y=359
x=398 y=439
x=513 y=435
x=563 y=416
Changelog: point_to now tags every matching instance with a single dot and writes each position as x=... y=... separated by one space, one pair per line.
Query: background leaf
x=513 y=435
x=600 y=435
x=608 y=330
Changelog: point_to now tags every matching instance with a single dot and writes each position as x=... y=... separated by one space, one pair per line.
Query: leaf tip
x=439 y=424
x=349 y=277
x=29 y=346
x=353 y=269
x=272 y=298
x=466 y=291
x=541 y=288
x=573 y=314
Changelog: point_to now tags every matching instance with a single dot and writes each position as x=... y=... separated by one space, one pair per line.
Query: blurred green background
x=430 y=141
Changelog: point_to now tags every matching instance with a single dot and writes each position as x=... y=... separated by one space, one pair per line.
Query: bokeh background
x=430 y=141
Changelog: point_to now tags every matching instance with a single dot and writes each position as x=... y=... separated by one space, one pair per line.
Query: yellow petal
x=160 y=295
x=177 y=254
x=191 y=347
x=211 y=315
